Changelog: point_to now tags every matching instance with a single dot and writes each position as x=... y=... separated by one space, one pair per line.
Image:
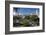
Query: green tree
x=34 y=19
x=24 y=22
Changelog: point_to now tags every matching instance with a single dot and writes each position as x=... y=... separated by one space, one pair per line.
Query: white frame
x=25 y=28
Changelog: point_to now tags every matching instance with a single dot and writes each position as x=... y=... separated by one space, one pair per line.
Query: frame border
x=7 y=17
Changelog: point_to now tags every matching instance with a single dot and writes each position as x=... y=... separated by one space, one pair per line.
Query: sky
x=26 y=11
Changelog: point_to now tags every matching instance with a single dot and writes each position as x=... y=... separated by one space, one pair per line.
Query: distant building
x=17 y=13
x=36 y=13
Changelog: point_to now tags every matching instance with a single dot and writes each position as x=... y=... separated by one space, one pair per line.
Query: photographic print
x=24 y=17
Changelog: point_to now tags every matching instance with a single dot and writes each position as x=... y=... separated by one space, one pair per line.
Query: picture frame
x=11 y=6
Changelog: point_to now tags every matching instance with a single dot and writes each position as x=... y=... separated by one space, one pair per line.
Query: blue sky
x=26 y=11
